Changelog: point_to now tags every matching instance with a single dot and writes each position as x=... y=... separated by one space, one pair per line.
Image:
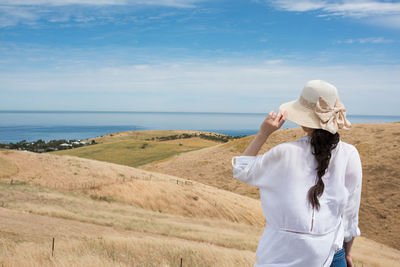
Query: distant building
x=65 y=144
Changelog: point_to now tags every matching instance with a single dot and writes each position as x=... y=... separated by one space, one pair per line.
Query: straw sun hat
x=318 y=107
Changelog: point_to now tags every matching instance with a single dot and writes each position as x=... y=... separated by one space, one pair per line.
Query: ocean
x=47 y=125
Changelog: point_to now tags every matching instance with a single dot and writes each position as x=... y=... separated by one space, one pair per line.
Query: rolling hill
x=379 y=148
x=106 y=214
x=137 y=148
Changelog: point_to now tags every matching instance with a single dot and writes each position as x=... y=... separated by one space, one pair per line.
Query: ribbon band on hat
x=306 y=103
x=318 y=107
x=331 y=118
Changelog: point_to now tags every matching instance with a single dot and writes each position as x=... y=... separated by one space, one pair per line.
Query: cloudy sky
x=197 y=55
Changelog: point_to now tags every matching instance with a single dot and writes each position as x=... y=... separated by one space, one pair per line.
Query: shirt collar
x=305 y=138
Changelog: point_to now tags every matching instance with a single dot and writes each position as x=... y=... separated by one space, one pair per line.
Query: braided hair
x=322 y=142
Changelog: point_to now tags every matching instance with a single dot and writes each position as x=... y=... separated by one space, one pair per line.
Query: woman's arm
x=271 y=123
x=249 y=166
x=347 y=247
x=353 y=183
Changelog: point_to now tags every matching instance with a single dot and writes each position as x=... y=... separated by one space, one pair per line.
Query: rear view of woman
x=310 y=189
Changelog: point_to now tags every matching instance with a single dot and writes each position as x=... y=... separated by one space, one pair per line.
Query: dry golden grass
x=378 y=145
x=32 y=213
x=150 y=251
x=106 y=214
x=28 y=237
x=97 y=233
x=144 y=189
x=7 y=169
x=125 y=251
x=89 y=232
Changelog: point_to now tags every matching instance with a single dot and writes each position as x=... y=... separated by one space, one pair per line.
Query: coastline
x=12 y=131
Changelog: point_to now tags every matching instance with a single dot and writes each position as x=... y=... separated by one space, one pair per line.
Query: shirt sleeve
x=255 y=170
x=353 y=182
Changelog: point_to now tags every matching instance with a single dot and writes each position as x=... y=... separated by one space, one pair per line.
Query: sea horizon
x=140 y=111
x=32 y=125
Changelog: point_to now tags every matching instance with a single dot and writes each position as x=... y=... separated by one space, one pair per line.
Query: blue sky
x=197 y=55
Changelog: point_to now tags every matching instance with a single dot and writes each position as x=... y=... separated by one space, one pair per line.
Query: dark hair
x=322 y=143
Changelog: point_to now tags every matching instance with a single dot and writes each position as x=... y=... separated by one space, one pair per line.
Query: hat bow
x=331 y=118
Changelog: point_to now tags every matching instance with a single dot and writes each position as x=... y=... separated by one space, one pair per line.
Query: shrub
x=144 y=145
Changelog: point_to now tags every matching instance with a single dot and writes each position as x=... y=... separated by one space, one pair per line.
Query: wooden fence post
x=52 y=248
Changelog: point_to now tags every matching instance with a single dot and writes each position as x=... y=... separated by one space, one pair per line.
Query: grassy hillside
x=140 y=188
x=132 y=148
x=378 y=145
x=92 y=232
x=101 y=214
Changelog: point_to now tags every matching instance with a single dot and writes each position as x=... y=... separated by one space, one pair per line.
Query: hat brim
x=301 y=115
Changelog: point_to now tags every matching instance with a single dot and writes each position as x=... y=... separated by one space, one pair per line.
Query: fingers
x=282 y=118
x=279 y=118
x=274 y=115
x=270 y=114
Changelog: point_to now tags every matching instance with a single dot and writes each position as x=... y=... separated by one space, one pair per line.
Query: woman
x=310 y=189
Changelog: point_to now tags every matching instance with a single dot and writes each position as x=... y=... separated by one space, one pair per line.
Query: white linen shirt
x=296 y=234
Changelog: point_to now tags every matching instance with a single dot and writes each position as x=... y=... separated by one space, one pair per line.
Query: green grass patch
x=132 y=151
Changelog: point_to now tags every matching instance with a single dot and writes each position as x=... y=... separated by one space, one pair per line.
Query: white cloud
x=383 y=12
x=363 y=8
x=11 y=15
x=13 y=12
x=273 y=61
x=175 y=3
x=386 y=21
x=294 y=5
x=245 y=87
x=370 y=40
x=360 y=8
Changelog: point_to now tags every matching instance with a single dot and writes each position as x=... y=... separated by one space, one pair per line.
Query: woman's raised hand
x=272 y=123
